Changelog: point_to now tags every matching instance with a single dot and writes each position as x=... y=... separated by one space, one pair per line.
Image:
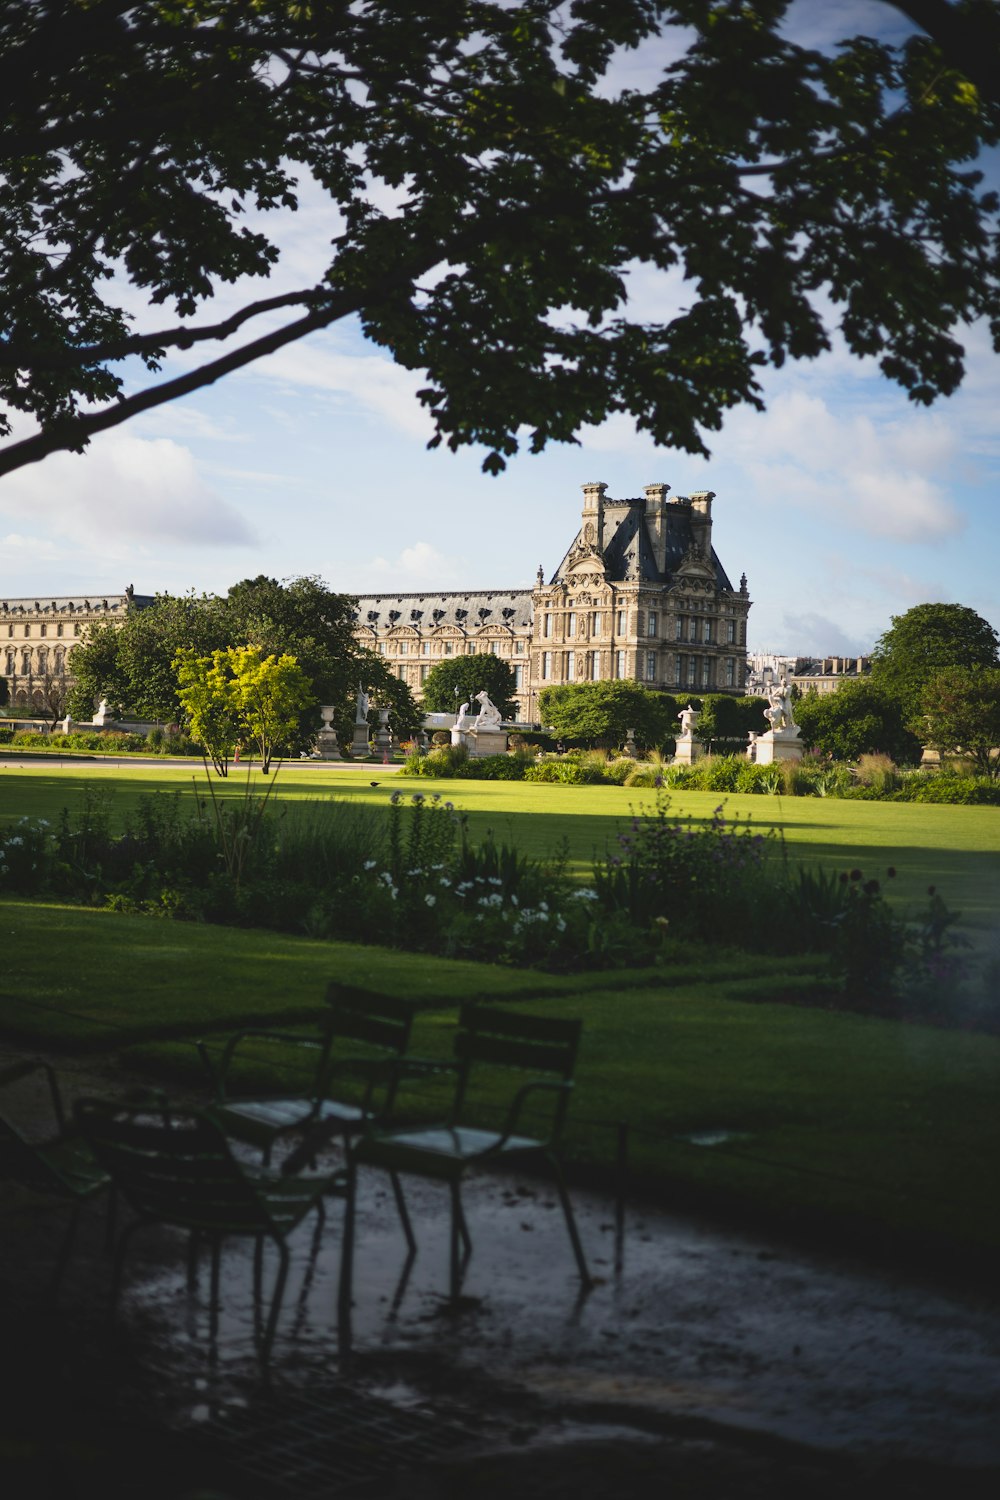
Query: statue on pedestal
x=689 y=718
x=779 y=712
x=489 y=715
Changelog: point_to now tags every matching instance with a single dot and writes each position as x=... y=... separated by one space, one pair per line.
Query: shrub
x=878 y=772
x=563 y=770
x=688 y=873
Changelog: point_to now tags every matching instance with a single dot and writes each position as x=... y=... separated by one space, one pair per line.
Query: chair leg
x=192 y=1265
x=276 y=1299
x=119 y=1265
x=112 y=1220
x=403 y=1211
x=459 y=1234
x=65 y=1251
x=568 y=1215
x=345 y=1288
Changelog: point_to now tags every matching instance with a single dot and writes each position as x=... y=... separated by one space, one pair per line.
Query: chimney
x=701 y=521
x=593 y=516
x=656 y=523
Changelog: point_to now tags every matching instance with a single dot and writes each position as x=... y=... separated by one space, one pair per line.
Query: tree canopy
x=920 y=643
x=132 y=664
x=961 y=706
x=859 y=718
x=602 y=713
x=457 y=680
x=496 y=177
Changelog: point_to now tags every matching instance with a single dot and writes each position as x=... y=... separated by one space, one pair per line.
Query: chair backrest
x=380 y=1020
x=540 y=1045
x=177 y=1169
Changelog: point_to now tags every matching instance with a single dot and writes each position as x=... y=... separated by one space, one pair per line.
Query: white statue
x=361 y=715
x=489 y=715
x=779 y=711
x=464 y=720
x=689 y=718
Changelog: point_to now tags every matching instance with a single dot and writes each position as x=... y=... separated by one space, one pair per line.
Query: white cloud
x=367 y=380
x=418 y=567
x=124 y=488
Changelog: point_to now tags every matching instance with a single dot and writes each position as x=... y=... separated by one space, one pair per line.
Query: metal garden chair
x=314 y=1103
x=59 y=1165
x=486 y=1037
x=180 y=1171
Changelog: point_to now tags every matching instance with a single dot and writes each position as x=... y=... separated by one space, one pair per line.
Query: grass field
x=956 y=849
x=871 y=1129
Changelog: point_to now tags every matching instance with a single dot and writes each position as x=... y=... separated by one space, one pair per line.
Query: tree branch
x=18 y=357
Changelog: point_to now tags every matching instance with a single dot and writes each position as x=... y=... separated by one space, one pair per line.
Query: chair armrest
x=538 y=1086
x=218 y=1068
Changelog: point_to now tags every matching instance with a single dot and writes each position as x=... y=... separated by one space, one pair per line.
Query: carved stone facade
x=37 y=637
x=640 y=594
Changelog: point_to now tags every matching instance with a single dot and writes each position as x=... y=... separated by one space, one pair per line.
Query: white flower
x=16 y=840
x=494 y=881
x=429 y=900
x=543 y=906
x=370 y=864
x=561 y=924
x=445 y=882
x=585 y=895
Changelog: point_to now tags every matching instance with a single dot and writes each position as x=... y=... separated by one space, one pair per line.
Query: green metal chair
x=486 y=1037
x=59 y=1165
x=316 y=1108
x=180 y=1170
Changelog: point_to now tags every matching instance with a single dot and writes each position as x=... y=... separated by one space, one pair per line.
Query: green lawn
x=880 y=1130
x=955 y=848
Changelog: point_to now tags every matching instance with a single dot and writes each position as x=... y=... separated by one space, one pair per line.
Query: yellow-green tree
x=271 y=691
x=240 y=696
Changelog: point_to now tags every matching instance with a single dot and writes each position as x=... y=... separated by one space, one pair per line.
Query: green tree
x=132 y=664
x=271 y=693
x=602 y=713
x=525 y=182
x=859 y=718
x=458 y=679
x=921 y=643
x=209 y=703
x=720 y=723
x=961 y=708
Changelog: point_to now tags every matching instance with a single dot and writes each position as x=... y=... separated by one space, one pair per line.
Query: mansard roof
x=628 y=550
x=467 y=610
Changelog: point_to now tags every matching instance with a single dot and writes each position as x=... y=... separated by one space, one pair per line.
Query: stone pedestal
x=778 y=745
x=383 y=736
x=327 y=745
x=360 y=747
x=481 y=742
x=688 y=750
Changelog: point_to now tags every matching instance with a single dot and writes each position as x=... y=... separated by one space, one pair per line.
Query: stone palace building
x=640 y=594
x=37 y=637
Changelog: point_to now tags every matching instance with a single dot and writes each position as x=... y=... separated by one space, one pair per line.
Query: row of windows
x=690 y=671
x=43 y=630
x=444 y=648
x=686 y=627
x=417 y=676
x=58 y=663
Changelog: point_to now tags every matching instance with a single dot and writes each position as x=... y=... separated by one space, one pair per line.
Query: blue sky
x=843 y=503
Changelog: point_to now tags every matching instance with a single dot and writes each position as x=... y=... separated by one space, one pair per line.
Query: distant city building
x=808 y=673
x=37 y=638
x=640 y=594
